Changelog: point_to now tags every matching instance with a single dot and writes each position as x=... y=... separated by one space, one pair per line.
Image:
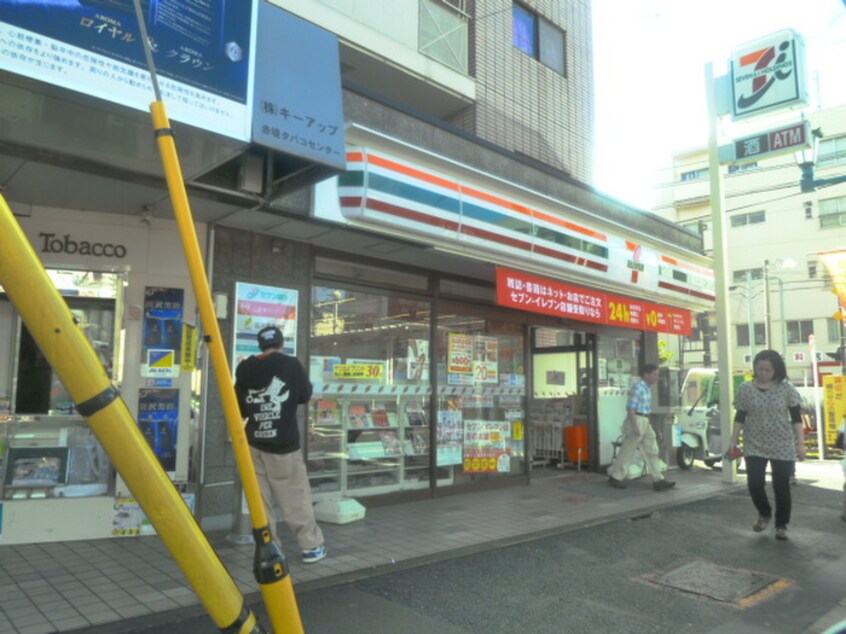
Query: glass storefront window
x=369 y=419
x=481 y=399
x=47 y=448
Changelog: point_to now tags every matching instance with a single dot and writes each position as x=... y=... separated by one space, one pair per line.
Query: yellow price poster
x=517 y=430
x=460 y=353
x=189 y=347
x=834 y=399
x=363 y=371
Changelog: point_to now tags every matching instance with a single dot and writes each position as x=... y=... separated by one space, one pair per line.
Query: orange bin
x=575 y=438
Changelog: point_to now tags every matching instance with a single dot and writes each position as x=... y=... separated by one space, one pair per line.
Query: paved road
x=594 y=579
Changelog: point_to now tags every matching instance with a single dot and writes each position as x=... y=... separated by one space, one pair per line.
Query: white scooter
x=699 y=420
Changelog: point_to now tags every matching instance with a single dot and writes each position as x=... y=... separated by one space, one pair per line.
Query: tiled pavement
x=69 y=585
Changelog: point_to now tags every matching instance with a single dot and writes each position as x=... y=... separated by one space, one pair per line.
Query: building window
x=734 y=169
x=525 y=27
x=831 y=152
x=694 y=174
x=539 y=38
x=833 y=212
x=743 y=334
x=699 y=227
x=361 y=343
x=755 y=217
x=833 y=328
x=809 y=210
x=444 y=33
x=798 y=330
x=739 y=276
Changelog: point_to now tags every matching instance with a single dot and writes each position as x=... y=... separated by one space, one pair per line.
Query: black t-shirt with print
x=269 y=388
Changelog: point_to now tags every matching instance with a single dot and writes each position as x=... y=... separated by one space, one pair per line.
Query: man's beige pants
x=648 y=446
x=284 y=477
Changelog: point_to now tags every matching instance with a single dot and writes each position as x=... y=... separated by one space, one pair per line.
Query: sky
x=649 y=74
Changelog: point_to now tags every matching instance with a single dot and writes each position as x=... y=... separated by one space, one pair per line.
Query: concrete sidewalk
x=74 y=585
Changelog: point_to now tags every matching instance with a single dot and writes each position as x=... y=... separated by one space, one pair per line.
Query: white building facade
x=781 y=293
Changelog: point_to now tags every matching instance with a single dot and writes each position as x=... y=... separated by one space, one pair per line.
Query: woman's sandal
x=781 y=534
x=761 y=524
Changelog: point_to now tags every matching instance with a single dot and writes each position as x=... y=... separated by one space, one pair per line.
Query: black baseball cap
x=270 y=337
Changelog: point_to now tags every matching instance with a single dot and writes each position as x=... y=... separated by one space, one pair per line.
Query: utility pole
x=750 y=323
x=724 y=351
x=767 y=314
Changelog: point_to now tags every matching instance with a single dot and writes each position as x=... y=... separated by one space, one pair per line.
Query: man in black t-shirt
x=270 y=387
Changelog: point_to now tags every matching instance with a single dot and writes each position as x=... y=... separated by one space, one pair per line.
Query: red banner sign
x=550 y=297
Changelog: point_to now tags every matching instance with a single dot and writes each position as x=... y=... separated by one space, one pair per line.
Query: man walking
x=270 y=387
x=639 y=435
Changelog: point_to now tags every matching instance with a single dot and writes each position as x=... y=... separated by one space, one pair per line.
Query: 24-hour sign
x=551 y=297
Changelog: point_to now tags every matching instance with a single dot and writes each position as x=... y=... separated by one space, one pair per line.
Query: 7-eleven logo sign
x=768 y=74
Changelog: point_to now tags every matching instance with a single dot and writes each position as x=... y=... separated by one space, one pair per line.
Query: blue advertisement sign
x=297 y=105
x=201 y=50
x=158 y=419
x=161 y=348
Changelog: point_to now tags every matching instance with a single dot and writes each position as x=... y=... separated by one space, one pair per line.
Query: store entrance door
x=562 y=407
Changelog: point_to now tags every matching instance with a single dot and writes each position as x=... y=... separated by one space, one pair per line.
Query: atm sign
x=773 y=142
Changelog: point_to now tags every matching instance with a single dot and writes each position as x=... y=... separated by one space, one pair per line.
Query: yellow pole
x=269 y=563
x=52 y=325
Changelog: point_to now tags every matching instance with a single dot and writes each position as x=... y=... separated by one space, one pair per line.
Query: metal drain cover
x=721 y=583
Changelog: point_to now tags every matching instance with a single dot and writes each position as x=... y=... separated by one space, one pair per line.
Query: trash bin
x=576 y=443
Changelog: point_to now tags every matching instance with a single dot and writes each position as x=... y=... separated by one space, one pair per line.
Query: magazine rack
x=368 y=445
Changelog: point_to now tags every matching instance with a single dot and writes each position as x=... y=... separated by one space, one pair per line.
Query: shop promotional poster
x=257 y=307
x=161 y=348
x=201 y=51
x=158 y=419
x=487 y=446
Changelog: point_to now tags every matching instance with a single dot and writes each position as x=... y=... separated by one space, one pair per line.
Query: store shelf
x=372 y=439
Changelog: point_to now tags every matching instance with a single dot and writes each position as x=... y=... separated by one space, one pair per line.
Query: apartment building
x=781 y=293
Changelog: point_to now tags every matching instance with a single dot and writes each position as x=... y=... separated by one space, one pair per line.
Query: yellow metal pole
x=269 y=564
x=52 y=325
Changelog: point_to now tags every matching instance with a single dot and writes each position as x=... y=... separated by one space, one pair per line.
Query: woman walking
x=768 y=415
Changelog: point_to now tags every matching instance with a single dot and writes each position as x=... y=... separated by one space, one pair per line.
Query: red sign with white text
x=550 y=297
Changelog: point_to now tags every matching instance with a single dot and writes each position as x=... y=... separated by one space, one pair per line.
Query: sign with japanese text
x=257 y=307
x=450 y=432
x=773 y=142
x=834 y=400
x=347 y=371
x=486 y=359
x=297 y=105
x=189 y=348
x=486 y=446
x=201 y=51
x=158 y=419
x=768 y=74
x=161 y=348
x=460 y=351
x=551 y=297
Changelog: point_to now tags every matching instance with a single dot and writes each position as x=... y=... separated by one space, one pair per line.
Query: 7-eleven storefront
x=501 y=318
